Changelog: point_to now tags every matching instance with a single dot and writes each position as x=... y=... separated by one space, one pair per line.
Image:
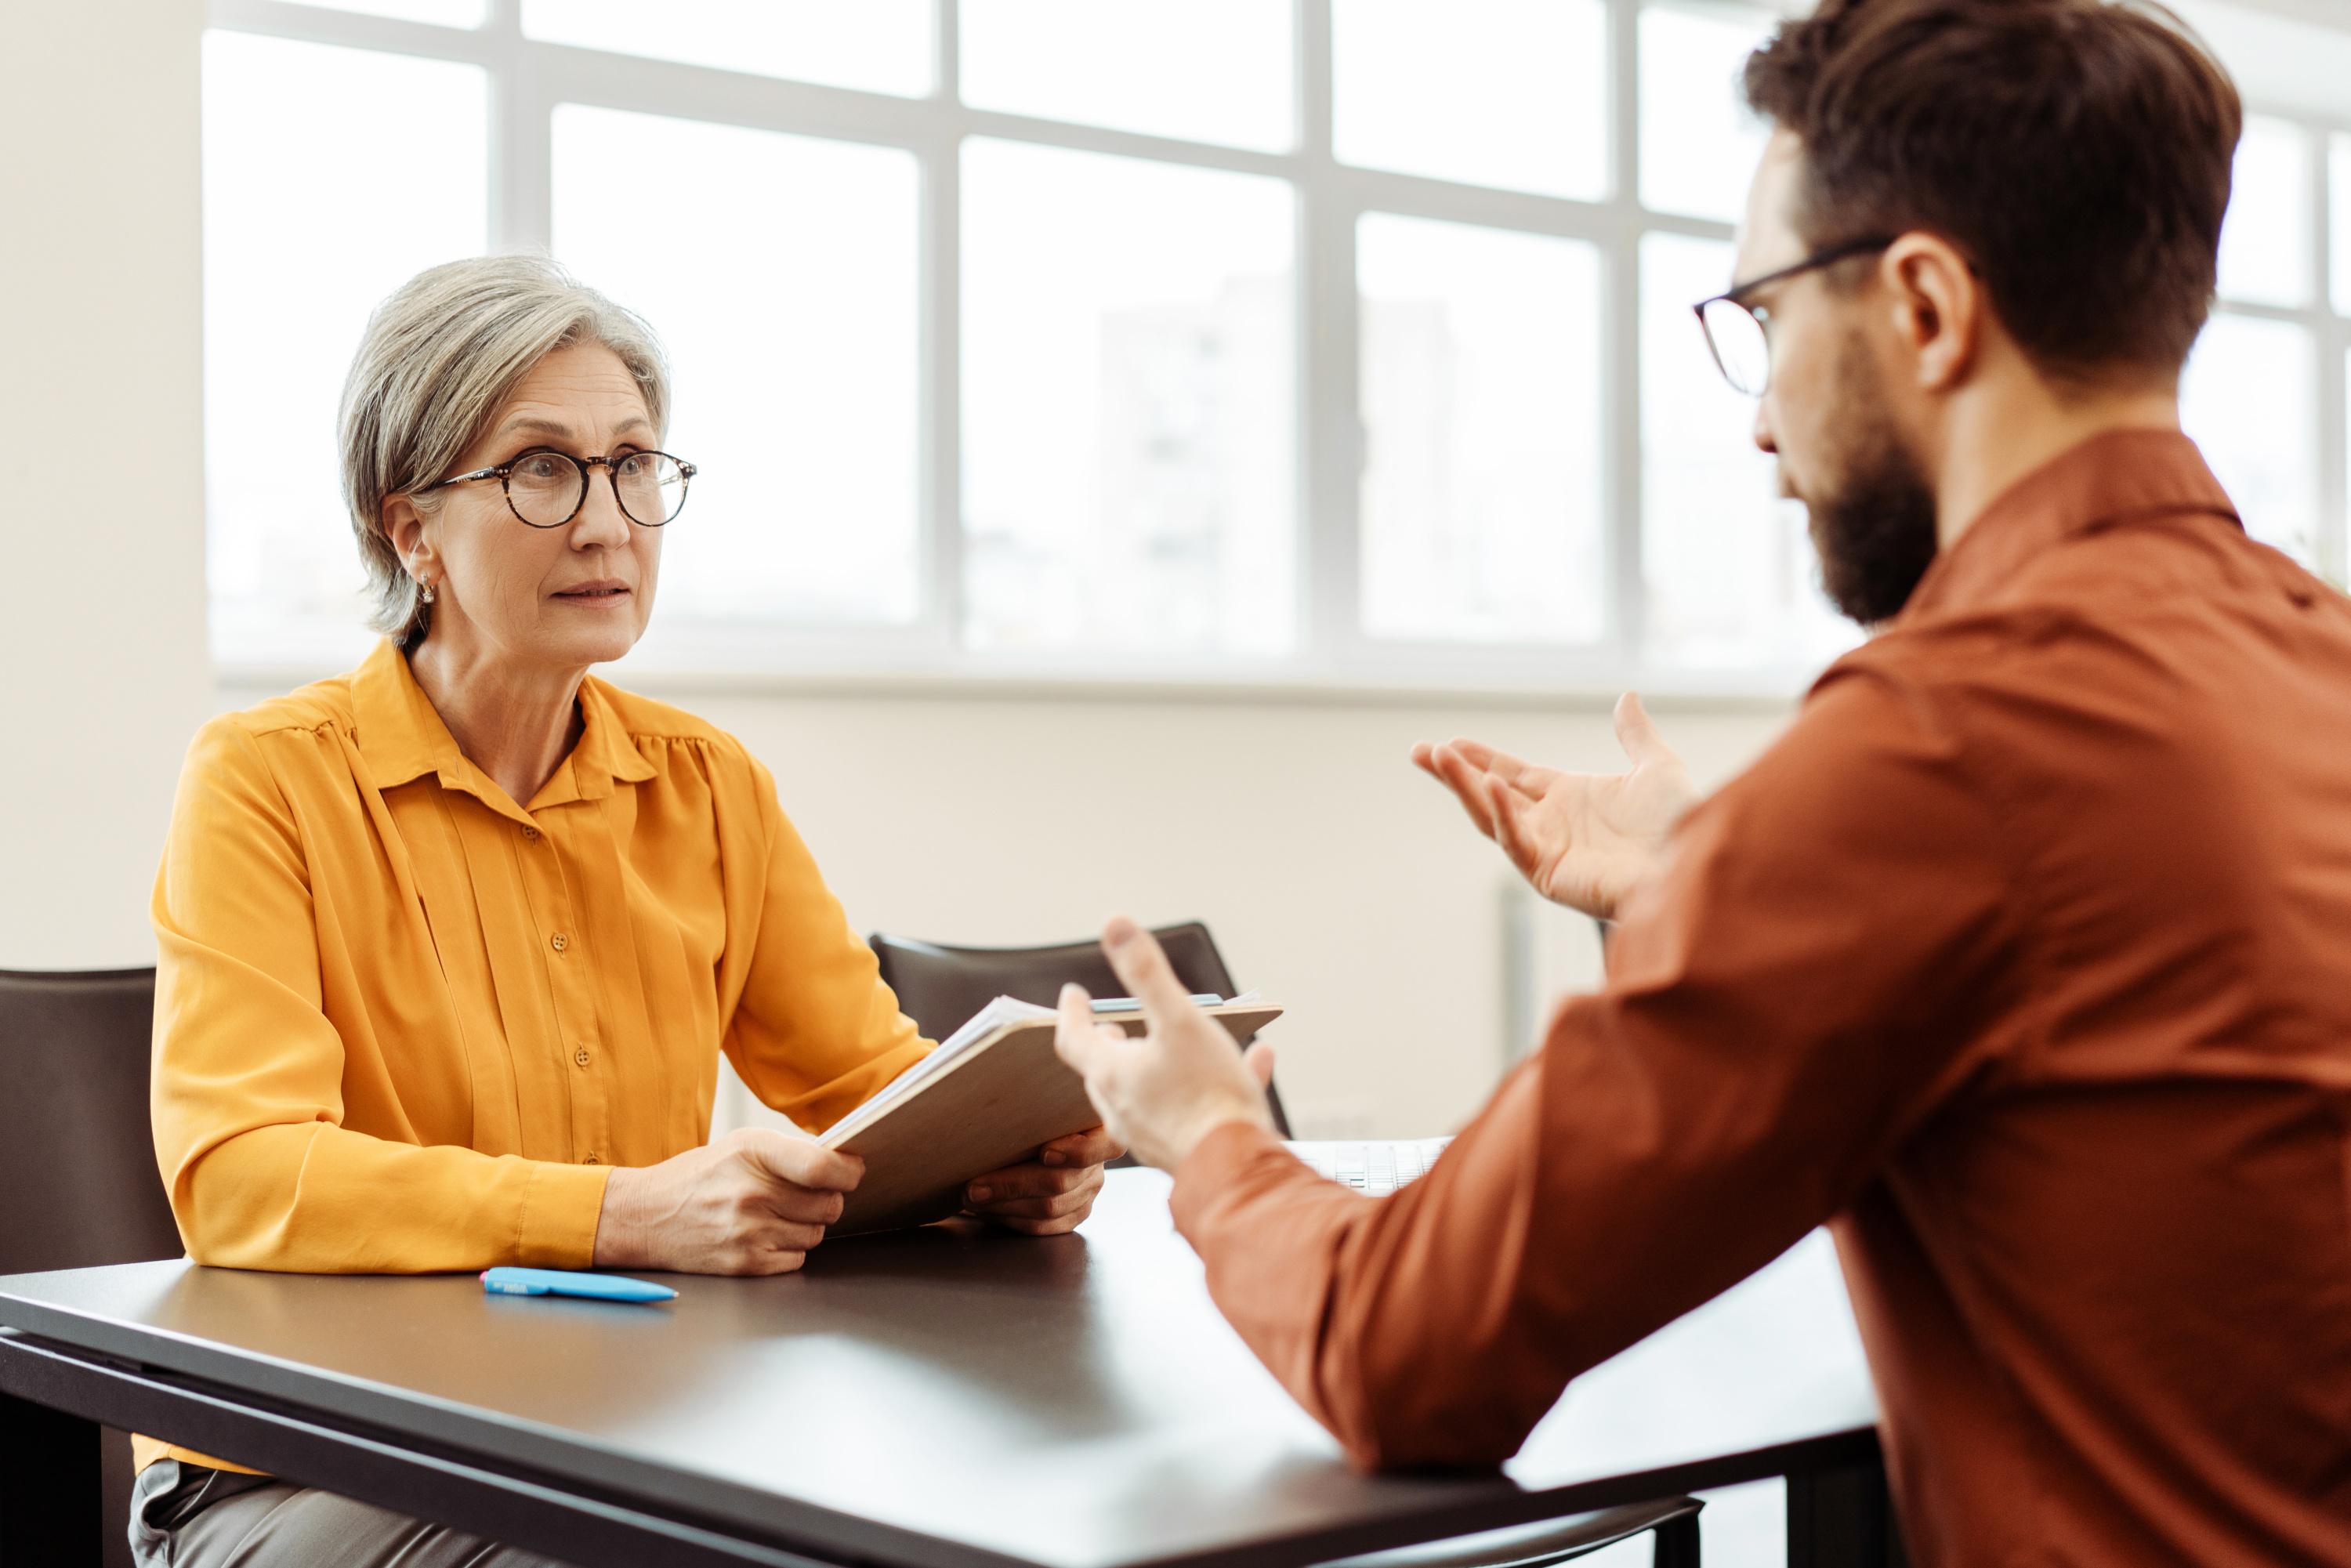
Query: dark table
x=942 y=1398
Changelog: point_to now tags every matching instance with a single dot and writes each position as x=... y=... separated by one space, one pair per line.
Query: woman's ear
x=405 y=530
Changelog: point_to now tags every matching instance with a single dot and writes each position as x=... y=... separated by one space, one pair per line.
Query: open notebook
x=987 y=1097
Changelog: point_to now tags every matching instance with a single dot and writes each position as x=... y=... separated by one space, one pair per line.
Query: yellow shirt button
x=530 y=835
x=559 y=941
x=593 y=1160
x=580 y=1056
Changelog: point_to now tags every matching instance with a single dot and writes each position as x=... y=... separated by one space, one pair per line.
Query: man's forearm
x=1390 y=1320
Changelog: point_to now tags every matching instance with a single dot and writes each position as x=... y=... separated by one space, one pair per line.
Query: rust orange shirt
x=2024 y=960
x=404 y=1023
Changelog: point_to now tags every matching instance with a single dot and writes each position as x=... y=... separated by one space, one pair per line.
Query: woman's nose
x=601 y=520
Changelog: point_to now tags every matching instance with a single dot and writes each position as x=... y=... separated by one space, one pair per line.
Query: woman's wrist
x=616 y=1229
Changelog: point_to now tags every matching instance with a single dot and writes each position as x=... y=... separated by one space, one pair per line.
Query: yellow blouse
x=403 y=1024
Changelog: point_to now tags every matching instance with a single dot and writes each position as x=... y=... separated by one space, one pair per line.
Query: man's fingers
x=1636 y=734
x=1143 y=968
x=1084 y=1046
x=1074 y=1041
x=1258 y=1060
x=1469 y=787
x=1501 y=764
x=1509 y=832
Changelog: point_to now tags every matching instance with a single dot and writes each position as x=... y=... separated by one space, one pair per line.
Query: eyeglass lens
x=1740 y=346
x=548 y=487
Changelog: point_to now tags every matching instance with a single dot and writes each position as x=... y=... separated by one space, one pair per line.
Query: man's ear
x=1938 y=307
x=403 y=526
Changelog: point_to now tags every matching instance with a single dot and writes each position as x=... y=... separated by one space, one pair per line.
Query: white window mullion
x=1621 y=342
x=520 y=176
x=1330 y=425
x=2334 y=453
x=350 y=29
x=2334 y=343
x=942 y=619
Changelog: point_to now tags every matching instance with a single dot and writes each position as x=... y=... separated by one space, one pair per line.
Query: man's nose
x=1764 y=440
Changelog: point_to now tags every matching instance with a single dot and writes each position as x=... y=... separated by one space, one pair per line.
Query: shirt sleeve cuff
x=1215 y=1168
x=561 y=1208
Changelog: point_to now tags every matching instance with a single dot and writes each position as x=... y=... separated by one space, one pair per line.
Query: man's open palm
x=1581 y=839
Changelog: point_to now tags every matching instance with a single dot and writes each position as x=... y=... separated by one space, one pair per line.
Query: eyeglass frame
x=1761 y=314
x=504 y=474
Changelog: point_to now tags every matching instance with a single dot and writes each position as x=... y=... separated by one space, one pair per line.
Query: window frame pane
x=529 y=77
x=800 y=368
x=274 y=507
x=1456 y=352
x=1254 y=615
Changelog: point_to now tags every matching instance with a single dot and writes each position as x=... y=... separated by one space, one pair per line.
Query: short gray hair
x=440 y=356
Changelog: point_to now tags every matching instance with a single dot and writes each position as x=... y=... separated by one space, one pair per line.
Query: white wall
x=102 y=668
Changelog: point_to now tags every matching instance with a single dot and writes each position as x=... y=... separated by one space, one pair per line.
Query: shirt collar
x=2120 y=475
x=402 y=737
x=606 y=753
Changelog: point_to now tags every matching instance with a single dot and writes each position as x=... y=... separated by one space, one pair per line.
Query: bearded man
x=2023 y=959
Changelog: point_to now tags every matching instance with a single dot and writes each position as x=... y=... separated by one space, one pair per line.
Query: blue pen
x=505 y=1281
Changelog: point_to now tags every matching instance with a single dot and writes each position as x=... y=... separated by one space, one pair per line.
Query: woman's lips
x=593 y=595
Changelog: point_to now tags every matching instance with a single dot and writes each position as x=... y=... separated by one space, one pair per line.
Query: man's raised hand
x=1583 y=840
x=1161 y=1093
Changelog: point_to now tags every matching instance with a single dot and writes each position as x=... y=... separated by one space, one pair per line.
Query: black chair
x=940 y=986
x=77 y=1154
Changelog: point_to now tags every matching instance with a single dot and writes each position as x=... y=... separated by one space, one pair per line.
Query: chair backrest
x=940 y=986
x=77 y=1155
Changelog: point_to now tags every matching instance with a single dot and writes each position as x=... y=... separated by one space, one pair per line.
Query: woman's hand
x=1051 y=1193
x=752 y=1203
x=1583 y=840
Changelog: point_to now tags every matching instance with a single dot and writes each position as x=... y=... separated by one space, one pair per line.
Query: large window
x=2265 y=378
x=1089 y=338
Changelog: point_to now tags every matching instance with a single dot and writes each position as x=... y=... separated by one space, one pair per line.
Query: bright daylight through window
x=1077 y=339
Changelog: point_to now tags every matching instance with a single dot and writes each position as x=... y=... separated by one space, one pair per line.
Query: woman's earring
x=427 y=594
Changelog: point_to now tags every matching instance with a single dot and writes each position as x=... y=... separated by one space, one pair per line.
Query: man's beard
x=1874 y=529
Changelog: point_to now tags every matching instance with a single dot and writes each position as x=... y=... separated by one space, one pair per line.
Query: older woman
x=450 y=944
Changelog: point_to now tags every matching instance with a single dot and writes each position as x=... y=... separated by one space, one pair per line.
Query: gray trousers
x=185 y=1516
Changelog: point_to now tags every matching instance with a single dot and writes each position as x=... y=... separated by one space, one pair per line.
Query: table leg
x=50 y=1511
x=1843 y=1519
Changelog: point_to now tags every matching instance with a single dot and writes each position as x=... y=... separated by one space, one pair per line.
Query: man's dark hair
x=2077 y=152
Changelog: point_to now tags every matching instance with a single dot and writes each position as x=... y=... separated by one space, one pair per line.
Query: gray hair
x=440 y=357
